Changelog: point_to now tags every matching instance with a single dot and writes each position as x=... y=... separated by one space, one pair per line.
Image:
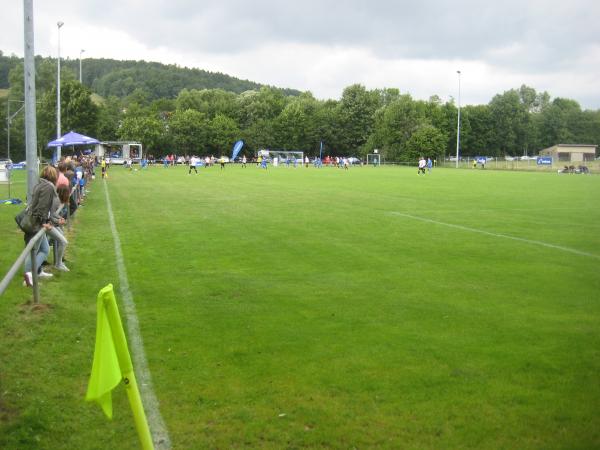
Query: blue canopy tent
x=72 y=139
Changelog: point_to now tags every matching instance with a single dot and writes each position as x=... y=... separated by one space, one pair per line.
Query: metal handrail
x=29 y=248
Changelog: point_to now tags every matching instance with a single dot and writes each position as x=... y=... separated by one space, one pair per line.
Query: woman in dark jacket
x=40 y=208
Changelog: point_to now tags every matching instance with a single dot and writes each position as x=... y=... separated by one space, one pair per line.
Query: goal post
x=285 y=157
x=374 y=159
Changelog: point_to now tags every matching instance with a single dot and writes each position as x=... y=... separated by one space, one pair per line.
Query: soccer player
x=422 y=164
x=193 y=162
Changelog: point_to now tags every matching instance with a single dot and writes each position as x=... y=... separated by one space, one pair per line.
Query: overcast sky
x=324 y=46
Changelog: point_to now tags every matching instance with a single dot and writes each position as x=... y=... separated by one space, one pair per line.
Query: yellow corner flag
x=106 y=373
x=112 y=364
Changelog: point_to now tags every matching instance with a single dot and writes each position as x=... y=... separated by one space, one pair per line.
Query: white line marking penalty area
x=497 y=235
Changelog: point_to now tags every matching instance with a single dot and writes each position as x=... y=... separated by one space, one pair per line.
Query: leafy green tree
x=109 y=119
x=477 y=137
x=557 y=122
x=356 y=117
x=255 y=106
x=139 y=97
x=425 y=141
x=147 y=130
x=78 y=112
x=223 y=133
x=258 y=135
x=189 y=131
x=295 y=125
x=511 y=124
x=211 y=102
x=329 y=131
x=394 y=126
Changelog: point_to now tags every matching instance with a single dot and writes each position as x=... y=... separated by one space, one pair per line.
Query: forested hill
x=108 y=77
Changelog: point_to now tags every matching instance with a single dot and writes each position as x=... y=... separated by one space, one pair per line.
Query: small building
x=119 y=151
x=570 y=152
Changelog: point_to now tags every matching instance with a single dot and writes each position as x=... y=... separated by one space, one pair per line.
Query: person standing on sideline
x=422 y=164
x=429 y=165
x=244 y=161
x=40 y=208
x=56 y=234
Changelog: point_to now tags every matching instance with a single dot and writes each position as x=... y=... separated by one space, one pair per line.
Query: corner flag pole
x=139 y=416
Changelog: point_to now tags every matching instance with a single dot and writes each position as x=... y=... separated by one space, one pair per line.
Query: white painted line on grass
x=160 y=434
x=498 y=235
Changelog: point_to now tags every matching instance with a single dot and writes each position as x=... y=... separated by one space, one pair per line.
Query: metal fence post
x=34 y=276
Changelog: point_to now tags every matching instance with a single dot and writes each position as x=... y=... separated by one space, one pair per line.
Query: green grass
x=296 y=309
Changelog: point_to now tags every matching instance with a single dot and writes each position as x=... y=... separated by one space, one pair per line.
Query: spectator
x=56 y=233
x=39 y=209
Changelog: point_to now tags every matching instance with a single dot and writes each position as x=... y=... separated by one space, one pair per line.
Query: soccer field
x=323 y=308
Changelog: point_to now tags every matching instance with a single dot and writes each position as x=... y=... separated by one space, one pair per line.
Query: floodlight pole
x=59 y=25
x=458 y=123
x=80 y=73
x=30 y=121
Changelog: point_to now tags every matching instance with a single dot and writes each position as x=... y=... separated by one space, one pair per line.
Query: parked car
x=5 y=162
x=354 y=161
x=19 y=166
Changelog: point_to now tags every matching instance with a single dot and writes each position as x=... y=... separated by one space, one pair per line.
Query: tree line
x=188 y=111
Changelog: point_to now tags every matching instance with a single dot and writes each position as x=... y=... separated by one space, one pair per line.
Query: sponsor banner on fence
x=544 y=161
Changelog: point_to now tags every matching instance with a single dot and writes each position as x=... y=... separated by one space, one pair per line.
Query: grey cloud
x=547 y=31
x=525 y=37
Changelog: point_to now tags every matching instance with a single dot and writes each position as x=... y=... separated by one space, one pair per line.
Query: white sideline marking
x=505 y=236
x=160 y=434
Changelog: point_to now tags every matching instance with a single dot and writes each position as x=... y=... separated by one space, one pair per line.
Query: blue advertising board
x=544 y=161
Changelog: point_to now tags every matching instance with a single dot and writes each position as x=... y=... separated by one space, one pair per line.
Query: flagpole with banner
x=236 y=149
x=112 y=364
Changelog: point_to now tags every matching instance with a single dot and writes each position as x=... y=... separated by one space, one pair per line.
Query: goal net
x=373 y=159
x=285 y=157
